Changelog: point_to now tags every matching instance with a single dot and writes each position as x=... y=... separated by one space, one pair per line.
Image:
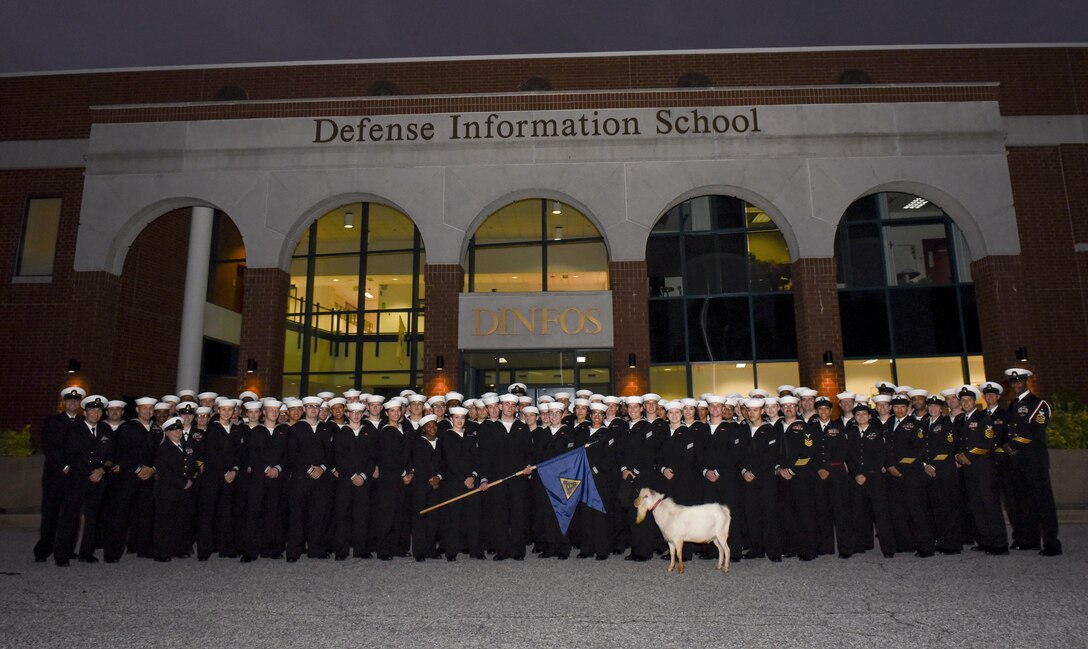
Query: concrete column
x=191 y=341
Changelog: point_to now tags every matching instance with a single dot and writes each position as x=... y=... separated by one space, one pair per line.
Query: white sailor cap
x=673 y=405
x=524 y=400
x=508 y=398
x=609 y=400
x=758 y=394
x=352 y=393
x=395 y=402
x=248 y=394
x=596 y=397
x=886 y=385
x=732 y=402
x=882 y=398
x=271 y=403
x=426 y=419
x=532 y=410
x=598 y=407
x=918 y=393
x=117 y=403
x=651 y=396
x=785 y=388
x=714 y=398
x=992 y=387
x=455 y=396
x=417 y=398
x=355 y=406
x=688 y=402
x=325 y=395
x=338 y=401
x=73 y=392
x=407 y=393
x=789 y=400
x=172 y=398
x=438 y=398
x=252 y=405
x=203 y=410
x=544 y=398
x=491 y=400
x=634 y=399
x=283 y=407
x=584 y=393
x=753 y=403
x=581 y=402
x=207 y=395
x=93 y=401
x=555 y=405
x=489 y=394
x=969 y=390
x=1017 y=374
x=146 y=401
x=187 y=393
x=903 y=389
x=771 y=401
x=846 y=395
x=311 y=401
x=806 y=393
x=458 y=410
x=375 y=398
x=949 y=392
x=162 y=405
x=222 y=401
x=293 y=402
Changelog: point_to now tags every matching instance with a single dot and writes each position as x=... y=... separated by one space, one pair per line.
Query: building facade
x=682 y=223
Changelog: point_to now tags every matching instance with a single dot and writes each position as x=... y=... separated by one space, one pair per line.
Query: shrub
x=1068 y=426
x=15 y=443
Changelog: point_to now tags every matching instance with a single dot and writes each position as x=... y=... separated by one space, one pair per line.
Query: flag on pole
x=568 y=480
x=401 y=331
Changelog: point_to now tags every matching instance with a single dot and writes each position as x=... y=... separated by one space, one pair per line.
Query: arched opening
x=906 y=298
x=355 y=303
x=153 y=282
x=720 y=300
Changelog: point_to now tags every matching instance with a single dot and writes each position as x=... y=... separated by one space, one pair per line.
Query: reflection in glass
x=722 y=378
x=933 y=374
x=671 y=382
x=862 y=375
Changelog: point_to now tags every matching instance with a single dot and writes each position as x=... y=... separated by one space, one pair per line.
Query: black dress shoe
x=889 y=555
x=636 y=557
x=776 y=559
x=40 y=559
x=162 y=559
x=341 y=557
x=323 y=555
x=404 y=555
x=481 y=556
x=807 y=557
x=498 y=557
x=923 y=555
x=1023 y=546
x=979 y=548
x=229 y=555
x=545 y=555
x=845 y=555
x=277 y=556
x=451 y=557
x=292 y=559
x=519 y=557
x=420 y=559
x=1051 y=552
x=112 y=560
x=948 y=552
x=248 y=559
x=585 y=555
x=202 y=558
x=63 y=563
x=562 y=557
x=182 y=555
x=90 y=559
x=602 y=557
x=996 y=552
x=385 y=557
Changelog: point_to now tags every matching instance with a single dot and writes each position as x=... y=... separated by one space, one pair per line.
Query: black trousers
x=870 y=508
x=984 y=502
x=728 y=491
x=1035 y=498
x=264 y=527
x=216 y=519
x=505 y=511
x=838 y=491
x=168 y=540
x=425 y=527
x=910 y=518
x=460 y=526
x=53 y=495
x=597 y=526
x=351 y=516
x=552 y=541
x=761 y=508
x=82 y=501
x=391 y=504
x=799 y=512
x=309 y=506
x=131 y=520
x=943 y=497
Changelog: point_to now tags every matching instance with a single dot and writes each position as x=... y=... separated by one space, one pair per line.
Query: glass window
x=39 y=244
x=719 y=280
x=863 y=375
x=926 y=321
x=669 y=381
x=354 y=313
x=771 y=375
x=918 y=254
x=536 y=245
x=932 y=374
x=226 y=278
x=722 y=378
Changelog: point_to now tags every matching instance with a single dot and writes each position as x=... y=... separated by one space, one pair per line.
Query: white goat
x=680 y=524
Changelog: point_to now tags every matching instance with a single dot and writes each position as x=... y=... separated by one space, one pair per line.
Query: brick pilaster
x=444 y=283
x=264 y=326
x=631 y=329
x=819 y=329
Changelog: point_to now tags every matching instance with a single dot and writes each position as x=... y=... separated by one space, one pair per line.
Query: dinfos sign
x=535 y=320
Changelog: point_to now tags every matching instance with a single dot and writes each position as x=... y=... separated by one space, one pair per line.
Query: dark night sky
x=49 y=35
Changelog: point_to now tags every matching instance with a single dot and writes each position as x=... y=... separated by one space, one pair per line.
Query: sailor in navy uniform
x=174 y=470
x=1027 y=421
x=976 y=438
x=906 y=486
x=86 y=457
x=759 y=468
x=799 y=481
x=460 y=526
x=867 y=459
x=54 y=432
x=943 y=477
x=637 y=457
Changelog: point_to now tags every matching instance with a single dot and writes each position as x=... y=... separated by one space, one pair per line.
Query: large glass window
x=355 y=306
x=536 y=245
x=38 y=246
x=721 y=306
x=542 y=371
x=226 y=282
x=905 y=295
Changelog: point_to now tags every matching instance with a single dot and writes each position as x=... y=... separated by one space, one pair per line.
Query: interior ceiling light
x=368 y=295
x=580 y=359
x=558 y=233
x=741 y=366
x=870 y=361
x=557 y=207
x=502 y=360
x=349 y=220
x=916 y=204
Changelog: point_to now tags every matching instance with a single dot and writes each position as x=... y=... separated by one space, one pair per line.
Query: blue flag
x=568 y=480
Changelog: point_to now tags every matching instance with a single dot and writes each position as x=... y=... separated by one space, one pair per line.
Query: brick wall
x=631 y=331
x=149 y=309
x=444 y=283
x=999 y=291
x=1032 y=80
x=264 y=326
x=1048 y=185
x=36 y=316
x=816 y=312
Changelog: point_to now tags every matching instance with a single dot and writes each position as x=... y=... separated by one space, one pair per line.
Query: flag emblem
x=570 y=485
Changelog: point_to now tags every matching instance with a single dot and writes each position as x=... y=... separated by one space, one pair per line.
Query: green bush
x=15 y=443
x=1068 y=426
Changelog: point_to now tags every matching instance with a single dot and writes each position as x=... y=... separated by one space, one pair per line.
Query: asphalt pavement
x=971 y=600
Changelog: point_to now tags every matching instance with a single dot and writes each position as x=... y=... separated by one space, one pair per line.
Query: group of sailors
x=347 y=476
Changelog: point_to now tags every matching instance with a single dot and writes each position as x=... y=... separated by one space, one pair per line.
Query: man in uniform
x=506 y=448
x=1027 y=420
x=308 y=456
x=867 y=459
x=133 y=458
x=54 y=432
x=943 y=479
x=976 y=439
x=906 y=486
x=86 y=456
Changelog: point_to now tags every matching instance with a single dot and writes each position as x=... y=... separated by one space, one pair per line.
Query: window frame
x=18 y=277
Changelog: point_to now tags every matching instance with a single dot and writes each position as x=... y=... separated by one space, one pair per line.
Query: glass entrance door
x=543 y=372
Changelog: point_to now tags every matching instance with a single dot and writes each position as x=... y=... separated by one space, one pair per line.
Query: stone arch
x=527 y=194
x=747 y=195
x=143 y=217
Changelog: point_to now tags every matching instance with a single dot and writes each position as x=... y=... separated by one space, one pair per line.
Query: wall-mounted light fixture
x=251 y=366
x=631 y=361
x=349 y=220
x=829 y=358
x=557 y=207
x=1022 y=354
x=440 y=362
x=73 y=366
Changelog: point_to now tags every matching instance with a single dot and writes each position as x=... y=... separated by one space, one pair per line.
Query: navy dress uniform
x=762 y=459
x=596 y=529
x=460 y=526
x=86 y=460
x=54 y=481
x=266 y=449
x=549 y=441
x=1027 y=444
x=976 y=439
x=637 y=457
x=834 y=523
x=427 y=469
x=906 y=486
x=943 y=483
x=309 y=460
x=867 y=458
x=132 y=521
x=216 y=529
x=722 y=452
x=506 y=447
x=800 y=460
x=174 y=470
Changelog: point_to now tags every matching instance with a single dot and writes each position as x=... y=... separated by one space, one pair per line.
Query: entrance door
x=543 y=372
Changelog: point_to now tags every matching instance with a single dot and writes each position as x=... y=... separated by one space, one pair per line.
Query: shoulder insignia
x=989 y=432
x=808 y=442
x=1040 y=418
x=949 y=438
